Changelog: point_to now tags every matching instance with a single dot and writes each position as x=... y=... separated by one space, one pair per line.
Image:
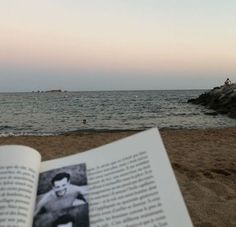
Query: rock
x=53 y=91
x=221 y=99
x=232 y=113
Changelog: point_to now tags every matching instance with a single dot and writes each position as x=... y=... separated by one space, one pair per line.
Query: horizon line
x=71 y=91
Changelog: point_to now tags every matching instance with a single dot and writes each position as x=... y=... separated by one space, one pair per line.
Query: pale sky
x=115 y=45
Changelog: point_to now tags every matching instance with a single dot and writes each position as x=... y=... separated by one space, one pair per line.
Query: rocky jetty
x=221 y=99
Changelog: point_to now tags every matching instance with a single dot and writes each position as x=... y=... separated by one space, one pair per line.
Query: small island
x=53 y=91
x=50 y=91
x=221 y=99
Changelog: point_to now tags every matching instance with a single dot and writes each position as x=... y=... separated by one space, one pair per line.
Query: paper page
x=131 y=183
x=19 y=168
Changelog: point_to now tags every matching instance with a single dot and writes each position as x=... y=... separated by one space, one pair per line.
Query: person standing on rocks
x=228 y=82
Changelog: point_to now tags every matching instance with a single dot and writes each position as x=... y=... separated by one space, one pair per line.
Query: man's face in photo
x=60 y=187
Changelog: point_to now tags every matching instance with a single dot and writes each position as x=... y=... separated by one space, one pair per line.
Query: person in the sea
x=62 y=195
x=64 y=221
x=228 y=82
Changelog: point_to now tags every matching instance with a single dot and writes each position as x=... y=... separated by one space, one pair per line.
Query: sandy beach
x=204 y=161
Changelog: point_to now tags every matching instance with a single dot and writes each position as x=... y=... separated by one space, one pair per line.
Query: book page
x=19 y=168
x=131 y=183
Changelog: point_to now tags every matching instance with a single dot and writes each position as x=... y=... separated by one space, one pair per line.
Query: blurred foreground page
x=19 y=169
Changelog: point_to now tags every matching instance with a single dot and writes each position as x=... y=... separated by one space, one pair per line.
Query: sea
x=53 y=113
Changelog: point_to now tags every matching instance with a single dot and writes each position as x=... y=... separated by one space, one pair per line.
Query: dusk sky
x=116 y=45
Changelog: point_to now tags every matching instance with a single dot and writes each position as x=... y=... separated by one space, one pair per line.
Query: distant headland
x=221 y=99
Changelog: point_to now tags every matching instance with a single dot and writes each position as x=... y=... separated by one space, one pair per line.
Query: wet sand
x=204 y=162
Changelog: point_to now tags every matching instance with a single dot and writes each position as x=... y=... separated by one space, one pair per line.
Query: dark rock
x=53 y=91
x=232 y=113
x=221 y=99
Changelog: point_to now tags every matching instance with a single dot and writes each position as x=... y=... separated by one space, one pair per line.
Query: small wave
x=173 y=127
x=87 y=131
x=3 y=127
x=182 y=114
x=74 y=132
x=15 y=134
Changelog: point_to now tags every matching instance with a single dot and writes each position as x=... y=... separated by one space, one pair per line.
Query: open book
x=128 y=183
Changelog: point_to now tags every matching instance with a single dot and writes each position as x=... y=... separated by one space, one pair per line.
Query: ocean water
x=58 y=113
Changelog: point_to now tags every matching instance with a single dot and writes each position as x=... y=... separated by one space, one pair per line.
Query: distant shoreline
x=68 y=91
